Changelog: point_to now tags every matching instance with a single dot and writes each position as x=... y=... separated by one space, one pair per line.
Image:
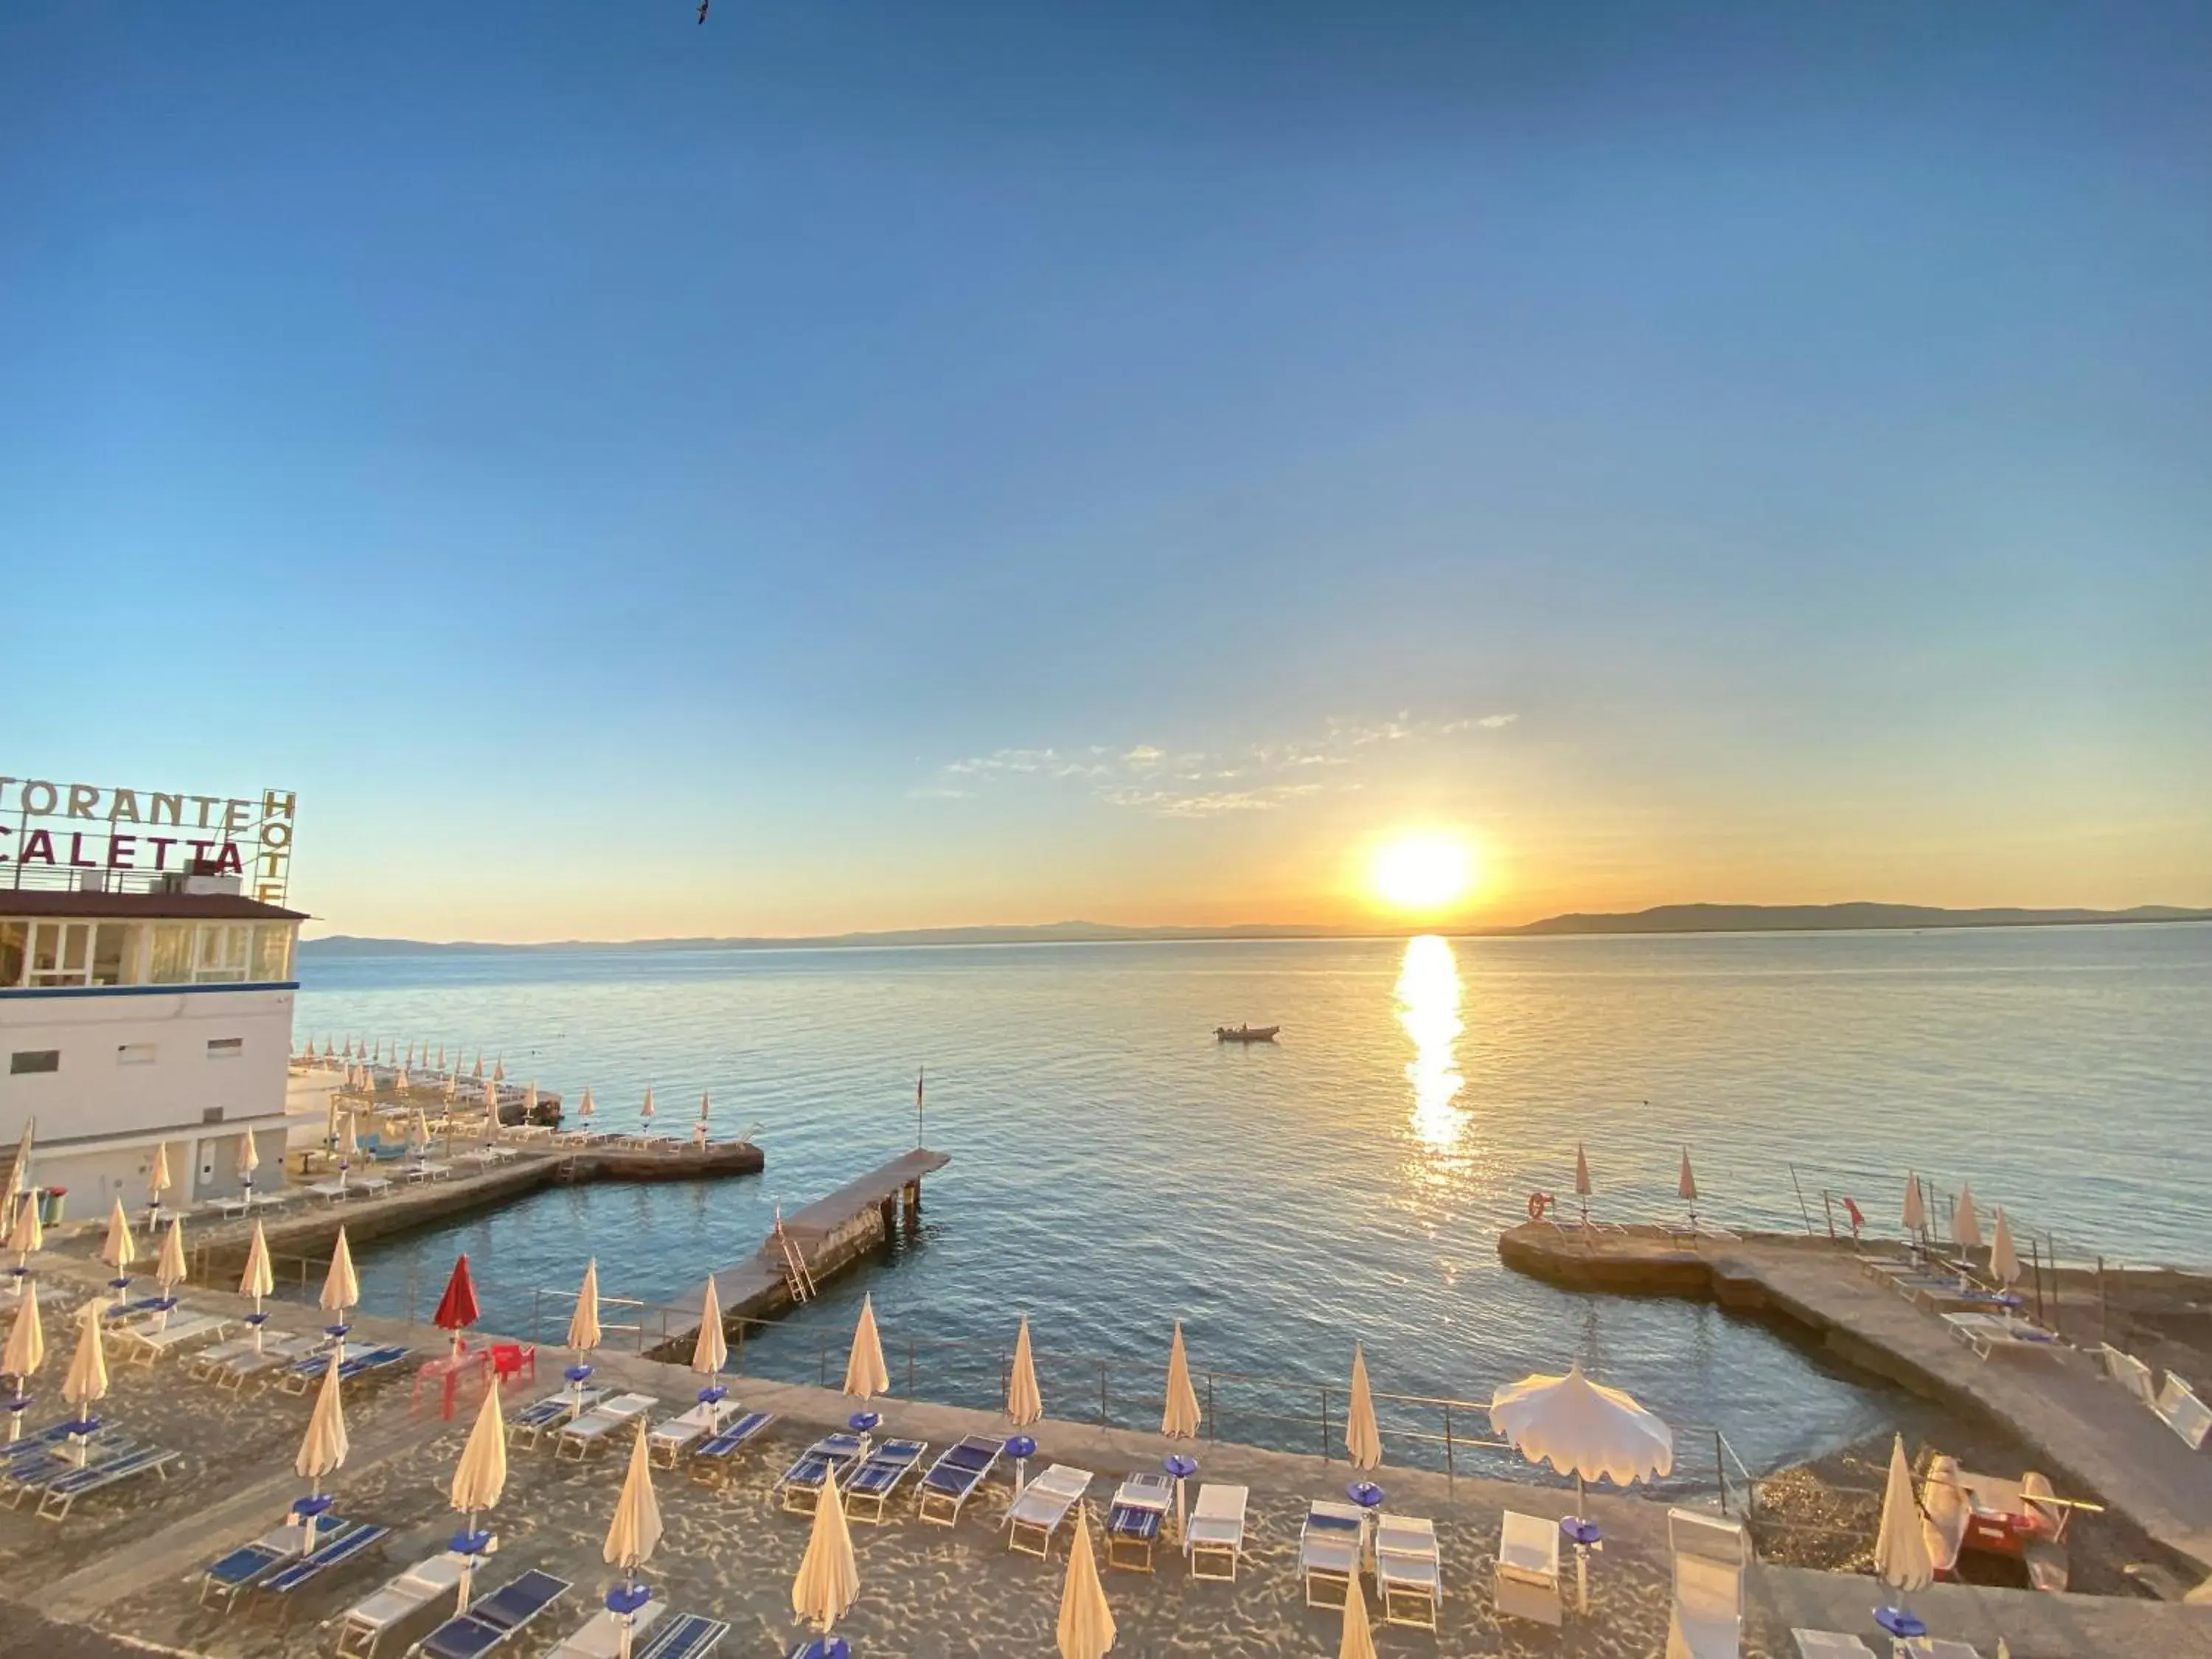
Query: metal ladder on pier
x=795 y=1272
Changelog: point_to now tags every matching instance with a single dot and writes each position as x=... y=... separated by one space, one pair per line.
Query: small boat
x=1984 y=1528
x=1245 y=1033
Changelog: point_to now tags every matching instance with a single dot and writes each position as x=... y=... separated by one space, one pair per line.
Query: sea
x=1116 y=1169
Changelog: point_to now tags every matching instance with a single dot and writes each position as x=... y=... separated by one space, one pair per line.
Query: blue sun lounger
x=954 y=1477
x=51 y=1460
x=878 y=1477
x=334 y=1548
x=711 y=1463
x=681 y=1636
x=359 y=1358
x=235 y=1573
x=54 y=1503
x=493 y=1619
x=800 y=1486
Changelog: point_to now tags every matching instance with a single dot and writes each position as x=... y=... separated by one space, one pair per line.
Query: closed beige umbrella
x=711 y=1348
x=257 y=1281
x=1686 y=1186
x=1179 y=1417
x=1358 y=1638
x=1024 y=1405
x=1966 y=1225
x=159 y=1181
x=169 y=1266
x=829 y=1578
x=118 y=1250
x=86 y=1384
x=1086 y=1623
x=479 y=1477
x=19 y=1175
x=499 y=1070
x=2004 y=1258
x=866 y=1375
x=325 y=1446
x=27 y=1237
x=249 y=1158
x=635 y=1529
x=1900 y=1548
x=26 y=1353
x=341 y=1290
x=1362 y=1441
x=584 y=1323
x=585 y=1109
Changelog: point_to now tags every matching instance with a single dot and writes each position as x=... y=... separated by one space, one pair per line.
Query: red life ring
x=1538 y=1203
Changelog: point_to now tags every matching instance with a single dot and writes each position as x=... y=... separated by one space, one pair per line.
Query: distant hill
x=1663 y=919
x=1792 y=917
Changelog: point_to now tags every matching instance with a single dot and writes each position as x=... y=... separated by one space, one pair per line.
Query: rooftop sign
x=90 y=835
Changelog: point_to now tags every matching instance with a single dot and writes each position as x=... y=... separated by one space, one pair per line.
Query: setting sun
x=1421 y=874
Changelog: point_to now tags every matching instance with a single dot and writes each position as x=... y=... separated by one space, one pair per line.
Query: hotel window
x=134 y=1054
x=14 y=946
x=173 y=953
x=270 y=952
x=108 y=955
x=222 y=953
x=226 y=1047
x=61 y=953
x=34 y=1060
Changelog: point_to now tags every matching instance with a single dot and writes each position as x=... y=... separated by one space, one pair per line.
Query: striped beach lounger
x=577 y=1439
x=401 y=1599
x=799 y=1487
x=711 y=1464
x=55 y=1501
x=494 y=1620
x=49 y=1462
x=1041 y=1506
x=528 y=1425
x=360 y=1359
x=955 y=1476
x=666 y=1441
x=335 y=1547
x=1134 y=1519
x=878 y=1477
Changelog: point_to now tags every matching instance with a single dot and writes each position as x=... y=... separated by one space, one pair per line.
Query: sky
x=855 y=466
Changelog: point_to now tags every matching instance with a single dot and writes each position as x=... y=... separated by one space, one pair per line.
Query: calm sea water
x=1115 y=1168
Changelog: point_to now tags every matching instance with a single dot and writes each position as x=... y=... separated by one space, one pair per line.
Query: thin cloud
x=1147 y=777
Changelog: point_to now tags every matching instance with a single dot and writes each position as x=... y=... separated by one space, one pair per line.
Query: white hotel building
x=130 y=1020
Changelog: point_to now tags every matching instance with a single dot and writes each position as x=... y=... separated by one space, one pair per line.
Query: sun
x=1421 y=874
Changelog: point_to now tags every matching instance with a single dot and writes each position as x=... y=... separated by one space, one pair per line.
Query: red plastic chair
x=511 y=1359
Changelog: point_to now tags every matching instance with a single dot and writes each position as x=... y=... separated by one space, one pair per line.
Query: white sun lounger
x=1707 y=1622
x=146 y=1342
x=1215 y=1541
x=1041 y=1506
x=666 y=1441
x=367 y=1623
x=601 y=1636
x=1989 y=1333
x=1409 y=1571
x=1330 y=1547
x=280 y=1350
x=2130 y=1372
x=1526 y=1582
x=1829 y=1644
x=577 y=1439
x=2182 y=1411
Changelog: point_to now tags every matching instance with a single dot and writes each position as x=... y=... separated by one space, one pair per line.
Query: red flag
x=457 y=1308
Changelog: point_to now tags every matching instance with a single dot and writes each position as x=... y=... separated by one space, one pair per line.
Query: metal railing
x=1435 y=1432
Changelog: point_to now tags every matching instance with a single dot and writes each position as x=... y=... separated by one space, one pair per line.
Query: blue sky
x=792 y=474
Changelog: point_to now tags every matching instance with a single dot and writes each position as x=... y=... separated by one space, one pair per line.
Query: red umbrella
x=457 y=1308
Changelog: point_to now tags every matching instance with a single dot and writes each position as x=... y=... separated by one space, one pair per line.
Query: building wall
x=135 y=1060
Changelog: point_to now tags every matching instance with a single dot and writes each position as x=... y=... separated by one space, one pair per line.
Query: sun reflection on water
x=1428 y=994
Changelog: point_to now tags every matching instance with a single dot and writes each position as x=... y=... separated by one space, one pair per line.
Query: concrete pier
x=2085 y=1430
x=826 y=1235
